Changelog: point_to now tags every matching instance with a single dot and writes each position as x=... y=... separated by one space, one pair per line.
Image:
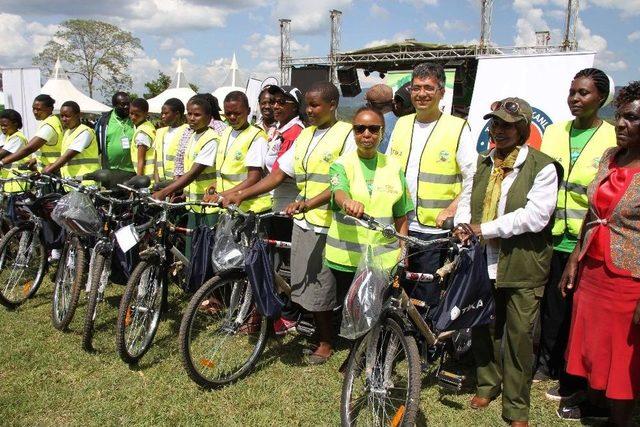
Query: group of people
x=558 y=224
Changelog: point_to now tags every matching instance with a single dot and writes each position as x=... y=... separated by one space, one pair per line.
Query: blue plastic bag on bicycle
x=259 y=269
x=468 y=301
x=201 y=269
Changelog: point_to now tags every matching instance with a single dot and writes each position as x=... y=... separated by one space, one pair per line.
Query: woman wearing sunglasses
x=510 y=207
x=365 y=181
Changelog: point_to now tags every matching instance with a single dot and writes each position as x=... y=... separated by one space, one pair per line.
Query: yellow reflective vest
x=346 y=241
x=197 y=189
x=311 y=167
x=573 y=202
x=84 y=162
x=50 y=153
x=14 y=186
x=231 y=169
x=166 y=153
x=148 y=129
x=440 y=177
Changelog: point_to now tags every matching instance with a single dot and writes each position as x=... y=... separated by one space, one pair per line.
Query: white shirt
x=143 y=139
x=286 y=163
x=81 y=142
x=207 y=154
x=257 y=153
x=466 y=158
x=11 y=144
x=47 y=133
x=541 y=202
x=276 y=142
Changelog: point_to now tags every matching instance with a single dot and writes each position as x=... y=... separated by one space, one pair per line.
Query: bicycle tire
x=379 y=381
x=99 y=264
x=10 y=252
x=225 y=336
x=129 y=314
x=63 y=307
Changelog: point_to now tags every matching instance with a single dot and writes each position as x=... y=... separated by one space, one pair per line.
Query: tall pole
x=285 y=51
x=570 y=41
x=486 y=12
x=335 y=44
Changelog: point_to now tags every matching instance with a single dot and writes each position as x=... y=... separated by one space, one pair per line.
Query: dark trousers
x=555 y=319
x=425 y=261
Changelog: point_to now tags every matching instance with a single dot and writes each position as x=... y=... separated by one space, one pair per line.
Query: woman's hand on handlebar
x=464 y=232
x=231 y=199
x=353 y=208
x=296 y=208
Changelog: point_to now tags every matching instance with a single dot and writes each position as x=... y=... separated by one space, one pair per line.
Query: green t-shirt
x=119 y=134
x=339 y=181
x=577 y=142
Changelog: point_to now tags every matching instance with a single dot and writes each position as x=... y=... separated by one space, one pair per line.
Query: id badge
x=124 y=141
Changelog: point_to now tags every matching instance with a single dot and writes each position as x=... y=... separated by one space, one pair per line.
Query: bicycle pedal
x=450 y=381
x=305 y=328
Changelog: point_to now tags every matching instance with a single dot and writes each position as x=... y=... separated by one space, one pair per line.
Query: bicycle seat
x=109 y=178
x=161 y=185
x=448 y=224
x=138 y=182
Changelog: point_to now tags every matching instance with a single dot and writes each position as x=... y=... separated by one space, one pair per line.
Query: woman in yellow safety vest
x=14 y=140
x=168 y=137
x=577 y=145
x=143 y=153
x=365 y=181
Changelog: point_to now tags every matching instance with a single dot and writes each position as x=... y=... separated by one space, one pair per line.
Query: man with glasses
x=439 y=159
x=380 y=97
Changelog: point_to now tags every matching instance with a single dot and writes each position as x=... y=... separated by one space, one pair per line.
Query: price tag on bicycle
x=127 y=237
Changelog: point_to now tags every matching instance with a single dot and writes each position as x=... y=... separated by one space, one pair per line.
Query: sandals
x=317 y=359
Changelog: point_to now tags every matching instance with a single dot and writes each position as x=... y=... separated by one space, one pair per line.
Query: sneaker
x=583 y=411
x=54 y=256
x=540 y=376
x=568 y=398
x=282 y=326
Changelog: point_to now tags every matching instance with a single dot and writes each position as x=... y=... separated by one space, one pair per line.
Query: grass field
x=46 y=379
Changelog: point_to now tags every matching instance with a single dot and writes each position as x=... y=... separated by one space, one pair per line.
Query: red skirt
x=604 y=344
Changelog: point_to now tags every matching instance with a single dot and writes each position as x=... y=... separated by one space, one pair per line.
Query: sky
x=206 y=33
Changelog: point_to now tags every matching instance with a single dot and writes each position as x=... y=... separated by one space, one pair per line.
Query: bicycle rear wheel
x=381 y=386
x=221 y=334
x=139 y=312
x=69 y=279
x=23 y=261
x=99 y=276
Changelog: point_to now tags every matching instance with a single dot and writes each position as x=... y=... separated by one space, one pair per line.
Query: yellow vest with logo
x=84 y=162
x=231 y=169
x=573 y=202
x=14 y=186
x=166 y=155
x=346 y=241
x=148 y=129
x=50 y=153
x=311 y=167
x=197 y=189
x=439 y=178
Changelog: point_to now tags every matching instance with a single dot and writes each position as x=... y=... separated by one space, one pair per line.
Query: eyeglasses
x=426 y=88
x=373 y=129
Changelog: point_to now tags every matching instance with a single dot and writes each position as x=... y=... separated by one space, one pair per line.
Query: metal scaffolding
x=570 y=41
x=334 y=48
x=486 y=13
x=285 y=51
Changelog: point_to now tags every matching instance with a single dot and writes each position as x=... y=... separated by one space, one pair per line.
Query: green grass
x=46 y=379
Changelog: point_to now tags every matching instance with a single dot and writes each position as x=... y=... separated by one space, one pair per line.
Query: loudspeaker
x=304 y=77
x=349 y=82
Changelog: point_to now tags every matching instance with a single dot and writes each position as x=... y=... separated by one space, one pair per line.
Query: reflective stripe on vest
x=166 y=152
x=231 y=169
x=572 y=195
x=197 y=189
x=311 y=169
x=346 y=241
x=85 y=161
x=148 y=129
x=5 y=173
x=440 y=178
x=50 y=153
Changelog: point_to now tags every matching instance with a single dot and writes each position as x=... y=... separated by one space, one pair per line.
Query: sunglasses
x=373 y=129
x=282 y=101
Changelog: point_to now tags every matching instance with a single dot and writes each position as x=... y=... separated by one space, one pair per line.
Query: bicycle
x=145 y=295
x=222 y=336
x=383 y=374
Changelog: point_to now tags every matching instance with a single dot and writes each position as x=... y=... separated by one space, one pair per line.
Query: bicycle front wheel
x=221 y=333
x=23 y=261
x=139 y=312
x=381 y=386
x=99 y=276
x=69 y=280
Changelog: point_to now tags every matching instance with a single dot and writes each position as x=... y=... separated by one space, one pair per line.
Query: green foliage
x=157 y=86
x=97 y=51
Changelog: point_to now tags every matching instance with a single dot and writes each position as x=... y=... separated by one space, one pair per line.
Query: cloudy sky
x=205 y=33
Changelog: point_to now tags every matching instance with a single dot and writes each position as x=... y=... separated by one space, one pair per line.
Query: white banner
x=542 y=80
x=21 y=86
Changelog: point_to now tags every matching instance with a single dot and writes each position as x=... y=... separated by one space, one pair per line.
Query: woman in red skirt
x=604 y=341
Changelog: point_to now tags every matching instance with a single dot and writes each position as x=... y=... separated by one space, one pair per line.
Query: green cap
x=503 y=110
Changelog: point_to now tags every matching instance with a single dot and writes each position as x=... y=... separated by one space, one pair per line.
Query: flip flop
x=316 y=359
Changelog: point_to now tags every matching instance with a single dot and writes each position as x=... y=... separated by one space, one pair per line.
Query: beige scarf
x=501 y=168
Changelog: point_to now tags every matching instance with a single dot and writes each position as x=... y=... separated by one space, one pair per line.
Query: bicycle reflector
x=208 y=363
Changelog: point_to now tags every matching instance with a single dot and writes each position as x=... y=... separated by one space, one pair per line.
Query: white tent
x=180 y=89
x=60 y=88
x=222 y=91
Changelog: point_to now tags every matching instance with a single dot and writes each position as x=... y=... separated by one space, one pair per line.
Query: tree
x=98 y=52
x=162 y=83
